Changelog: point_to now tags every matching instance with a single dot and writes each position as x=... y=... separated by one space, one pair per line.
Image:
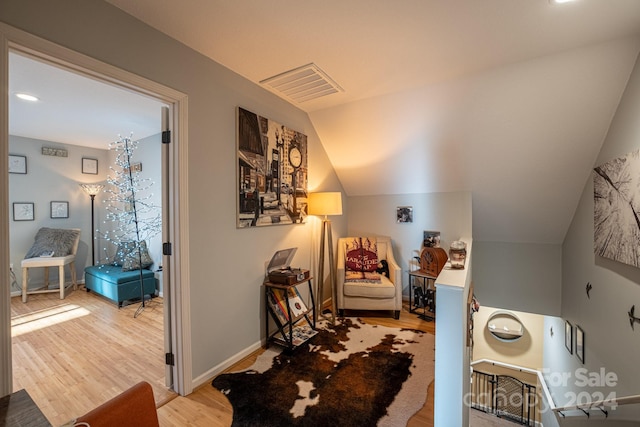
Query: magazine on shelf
x=301 y=334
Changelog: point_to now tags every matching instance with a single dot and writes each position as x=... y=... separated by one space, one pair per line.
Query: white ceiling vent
x=302 y=84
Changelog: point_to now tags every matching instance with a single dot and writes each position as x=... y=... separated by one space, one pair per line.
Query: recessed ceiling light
x=27 y=97
x=560 y=1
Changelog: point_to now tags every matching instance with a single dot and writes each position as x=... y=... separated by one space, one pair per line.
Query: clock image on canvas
x=272 y=172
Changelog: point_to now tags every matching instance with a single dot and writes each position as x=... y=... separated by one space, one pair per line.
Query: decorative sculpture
x=632 y=318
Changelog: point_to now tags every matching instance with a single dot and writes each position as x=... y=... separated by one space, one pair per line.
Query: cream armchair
x=363 y=291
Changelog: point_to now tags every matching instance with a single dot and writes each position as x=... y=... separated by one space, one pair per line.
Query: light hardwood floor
x=72 y=355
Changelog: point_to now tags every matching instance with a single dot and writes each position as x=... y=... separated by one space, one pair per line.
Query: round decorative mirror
x=505 y=326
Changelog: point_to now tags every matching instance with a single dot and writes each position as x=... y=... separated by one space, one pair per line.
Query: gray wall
x=449 y=213
x=52 y=178
x=148 y=153
x=518 y=276
x=610 y=342
x=49 y=179
x=226 y=264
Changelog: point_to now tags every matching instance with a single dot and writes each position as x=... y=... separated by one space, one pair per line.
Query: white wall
x=610 y=342
x=226 y=264
x=49 y=179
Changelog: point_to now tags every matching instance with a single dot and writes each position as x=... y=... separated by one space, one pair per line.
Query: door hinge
x=169 y=359
x=166 y=137
x=166 y=248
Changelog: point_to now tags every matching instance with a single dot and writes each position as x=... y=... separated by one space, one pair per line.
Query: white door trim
x=25 y=43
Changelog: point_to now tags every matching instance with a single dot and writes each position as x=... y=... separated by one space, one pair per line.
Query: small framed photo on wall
x=431 y=239
x=90 y=166
x=580 y=343
x=17 y=164
x=23 y=211
x=568 y=336
x=59 y=210
x=404 y=214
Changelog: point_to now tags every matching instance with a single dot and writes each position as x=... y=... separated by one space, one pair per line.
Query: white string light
x=129 y=206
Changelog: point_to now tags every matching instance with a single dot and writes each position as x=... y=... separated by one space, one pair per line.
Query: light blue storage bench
x=117 y=285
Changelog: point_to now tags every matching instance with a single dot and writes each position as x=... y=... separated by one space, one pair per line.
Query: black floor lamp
x=92 y=190
x=326 y=204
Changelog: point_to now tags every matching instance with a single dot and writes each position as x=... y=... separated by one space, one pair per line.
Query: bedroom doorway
x=64 y=121
x=175 y=328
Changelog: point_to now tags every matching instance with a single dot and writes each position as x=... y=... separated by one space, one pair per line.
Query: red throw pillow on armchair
x=369 y=251
x=361 y=260
x=353 y=255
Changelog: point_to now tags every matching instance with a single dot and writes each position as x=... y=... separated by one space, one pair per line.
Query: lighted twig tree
x=133 y=216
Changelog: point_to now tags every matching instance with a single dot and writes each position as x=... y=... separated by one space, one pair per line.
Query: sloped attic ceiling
x=521 y=137
x=510 y=99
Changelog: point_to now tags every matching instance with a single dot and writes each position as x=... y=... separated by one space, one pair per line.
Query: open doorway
x=59 y=137
x=170 y=162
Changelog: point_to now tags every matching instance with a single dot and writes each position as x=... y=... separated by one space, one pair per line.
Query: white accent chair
x=354 y=295
x=46 y=262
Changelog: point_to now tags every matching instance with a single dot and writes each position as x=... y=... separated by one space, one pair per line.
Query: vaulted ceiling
x=508 y=99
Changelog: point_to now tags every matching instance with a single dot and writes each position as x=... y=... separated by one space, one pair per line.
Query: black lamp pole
x=92 y=190
x=93 y=229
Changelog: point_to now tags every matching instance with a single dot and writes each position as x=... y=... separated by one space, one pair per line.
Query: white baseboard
x=211 y=373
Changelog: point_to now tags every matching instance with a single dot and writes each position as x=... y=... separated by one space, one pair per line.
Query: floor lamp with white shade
x=326 y=204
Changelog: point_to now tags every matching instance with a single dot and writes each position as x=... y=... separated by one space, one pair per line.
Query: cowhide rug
x=350 y=374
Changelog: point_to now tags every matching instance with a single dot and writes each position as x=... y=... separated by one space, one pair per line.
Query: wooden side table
x=19 y=410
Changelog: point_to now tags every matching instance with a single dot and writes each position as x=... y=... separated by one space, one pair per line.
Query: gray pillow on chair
x=48 y=240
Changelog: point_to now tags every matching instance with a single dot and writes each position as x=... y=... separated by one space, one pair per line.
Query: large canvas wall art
x=272 y=172
x=616 y=197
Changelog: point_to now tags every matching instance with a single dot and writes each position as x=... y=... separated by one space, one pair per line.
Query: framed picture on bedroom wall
x=59 y=210
x=90 y=166
x=17 y=164
x=23 y=211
